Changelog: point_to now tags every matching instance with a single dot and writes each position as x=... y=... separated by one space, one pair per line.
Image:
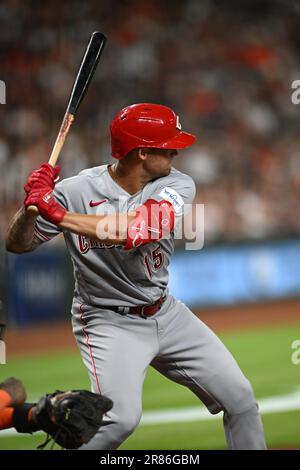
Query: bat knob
x=32 y=210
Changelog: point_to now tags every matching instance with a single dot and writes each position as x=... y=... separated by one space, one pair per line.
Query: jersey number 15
x=156 y=261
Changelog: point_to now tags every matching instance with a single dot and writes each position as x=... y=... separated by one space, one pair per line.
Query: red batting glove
x=153 y=221
x=46 y=175
x=47 y=206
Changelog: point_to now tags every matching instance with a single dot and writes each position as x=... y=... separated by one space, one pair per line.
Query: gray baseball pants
x=117 y=351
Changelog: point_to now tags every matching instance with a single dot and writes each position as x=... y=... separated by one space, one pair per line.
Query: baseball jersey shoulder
x=176 y=185
x=180 y=180
x=84 y=177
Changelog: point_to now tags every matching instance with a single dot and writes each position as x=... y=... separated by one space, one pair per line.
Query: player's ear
x=143 y=153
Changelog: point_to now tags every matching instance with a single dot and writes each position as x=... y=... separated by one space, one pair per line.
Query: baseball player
x=124 y=317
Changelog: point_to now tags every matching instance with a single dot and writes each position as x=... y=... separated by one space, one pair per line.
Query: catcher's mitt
x=71 y=418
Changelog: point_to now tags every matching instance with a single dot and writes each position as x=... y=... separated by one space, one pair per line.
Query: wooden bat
x=83 y=78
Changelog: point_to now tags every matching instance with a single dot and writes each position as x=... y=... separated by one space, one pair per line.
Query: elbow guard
x=153 y=221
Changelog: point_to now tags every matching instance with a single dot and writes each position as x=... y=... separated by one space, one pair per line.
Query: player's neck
x=130 y=177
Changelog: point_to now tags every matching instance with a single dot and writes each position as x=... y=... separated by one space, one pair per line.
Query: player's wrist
x=53 y=213
x=57 y=215
x=32 y=416
x=23 y=418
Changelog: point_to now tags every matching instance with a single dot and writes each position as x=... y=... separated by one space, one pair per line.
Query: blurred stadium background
x=227 y=69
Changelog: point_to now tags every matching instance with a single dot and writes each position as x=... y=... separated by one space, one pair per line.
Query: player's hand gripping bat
x=83 y=78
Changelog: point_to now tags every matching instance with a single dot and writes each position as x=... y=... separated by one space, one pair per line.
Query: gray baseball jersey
x=109 y=275
x=117 y=349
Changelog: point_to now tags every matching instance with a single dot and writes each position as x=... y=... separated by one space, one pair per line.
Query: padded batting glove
x=46 y=175
x=153 y=221
x=48 y=207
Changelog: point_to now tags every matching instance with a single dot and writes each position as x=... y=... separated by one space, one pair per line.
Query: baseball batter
x=118 y=222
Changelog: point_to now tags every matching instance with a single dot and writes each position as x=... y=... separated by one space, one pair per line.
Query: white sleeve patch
x=173 y=197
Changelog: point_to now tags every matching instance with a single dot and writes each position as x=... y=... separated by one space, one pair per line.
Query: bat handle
x=61 y=137
x=60 y=140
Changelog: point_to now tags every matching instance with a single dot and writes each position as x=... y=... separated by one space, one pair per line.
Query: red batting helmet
x=147 y=125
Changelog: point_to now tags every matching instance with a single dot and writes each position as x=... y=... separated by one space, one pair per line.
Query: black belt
x=144 y=311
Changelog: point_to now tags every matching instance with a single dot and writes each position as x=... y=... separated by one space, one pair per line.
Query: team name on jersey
x=86 y=244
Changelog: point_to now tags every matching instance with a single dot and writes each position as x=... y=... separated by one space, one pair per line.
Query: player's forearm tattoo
x=20 y=235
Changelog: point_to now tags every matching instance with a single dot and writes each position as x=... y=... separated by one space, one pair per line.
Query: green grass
x=264 y=355
x=282 y=430
x=209 y=434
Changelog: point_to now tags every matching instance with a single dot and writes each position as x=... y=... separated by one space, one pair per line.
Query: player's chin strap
x=153 y=221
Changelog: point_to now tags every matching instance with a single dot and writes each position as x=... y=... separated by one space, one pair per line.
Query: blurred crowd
x=225 y=67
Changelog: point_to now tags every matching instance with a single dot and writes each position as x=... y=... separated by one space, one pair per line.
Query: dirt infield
x=252 y=316
x=59 y=336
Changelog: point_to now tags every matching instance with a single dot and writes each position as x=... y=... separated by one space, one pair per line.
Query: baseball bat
x=81 y=83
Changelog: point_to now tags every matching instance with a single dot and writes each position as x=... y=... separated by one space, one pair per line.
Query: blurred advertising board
x=226 y=275
x=39 y=286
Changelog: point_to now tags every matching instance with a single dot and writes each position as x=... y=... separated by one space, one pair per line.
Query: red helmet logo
x=147 y=125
